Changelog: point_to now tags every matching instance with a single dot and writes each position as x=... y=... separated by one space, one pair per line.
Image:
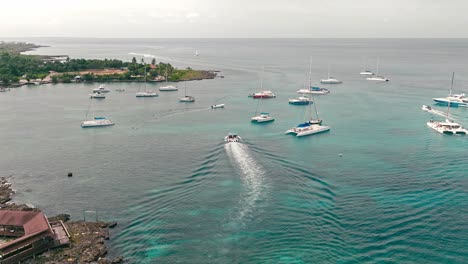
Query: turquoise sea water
x=398 y=194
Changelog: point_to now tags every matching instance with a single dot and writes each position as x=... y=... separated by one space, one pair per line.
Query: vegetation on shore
x=15 y=66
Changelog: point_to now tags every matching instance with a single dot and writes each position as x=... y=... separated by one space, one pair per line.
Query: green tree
x=54 y=79
x=153 y=61
x=134 y=60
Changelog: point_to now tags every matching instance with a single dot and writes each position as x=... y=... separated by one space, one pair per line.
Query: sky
x=234 y=18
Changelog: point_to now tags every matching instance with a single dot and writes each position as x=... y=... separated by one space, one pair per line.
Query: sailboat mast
x=144 y=65
x=378 y=62
x=448 y=104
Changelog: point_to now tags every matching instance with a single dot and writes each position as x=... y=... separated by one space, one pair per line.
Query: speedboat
x=187 y=99
x=147 y=94
x=102 y=89
x=217 y=106
x=431 y=110
x=454 y=99
x=263 y=117
x=97 y=122
x=331 y=80
x=232 y=137
x=263 y=95
x=448 y=127
x=366 y=72
x=97 y=95
x=168 y=88
x=302 y=100
x=306 y=129
x=377 y=79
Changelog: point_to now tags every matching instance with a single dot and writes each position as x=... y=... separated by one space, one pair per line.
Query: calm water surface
x=398 y=194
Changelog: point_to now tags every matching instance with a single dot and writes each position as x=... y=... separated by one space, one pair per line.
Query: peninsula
x=20 y=69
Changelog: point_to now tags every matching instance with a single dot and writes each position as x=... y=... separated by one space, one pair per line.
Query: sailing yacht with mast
x=263 y=94
x=97 y=121
x=330 y=79
x=264 y=116
x=377 y=77
x=186 y=98
x=167 y=87
x=146 y=93
x=366 y=71
x=310 y=127
x=449 y=127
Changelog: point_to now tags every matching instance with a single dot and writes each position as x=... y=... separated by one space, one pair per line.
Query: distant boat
x=217 y=106
x=102 y=89
x=120 y=90
x=167 y=88
x=97 y=95
x=2 y=90
x=264 y=116
x=302 y=100
x=263 y=94
x=314 y=90
x=377 y=77
x=196 y=53
x=232 y=138
x=146 y=92
x=453 y=100
x=330 y=79
x=187 y=98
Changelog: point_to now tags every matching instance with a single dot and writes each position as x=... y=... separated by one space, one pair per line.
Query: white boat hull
x=330 y=81
x=97 y=123
x=259 y=119
x=168 y=89
x=146 y=94
x=377 y=79
x=217 y=106
x=306 y=131
x=97 y=96
x=443 y=128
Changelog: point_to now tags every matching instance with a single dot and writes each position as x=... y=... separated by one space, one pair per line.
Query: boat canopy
x=99 y=118
x=306 y=124
x=264 y=113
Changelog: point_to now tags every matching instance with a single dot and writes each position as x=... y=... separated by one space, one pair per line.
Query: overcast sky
x=233 y=18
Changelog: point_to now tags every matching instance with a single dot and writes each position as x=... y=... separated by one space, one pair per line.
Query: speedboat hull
x=146 y=94
x=187 y=99
x=377 y=79
x=97 y=123
x=330 y=81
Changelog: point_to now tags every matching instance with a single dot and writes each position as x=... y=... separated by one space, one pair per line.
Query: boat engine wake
x=252 y=177
x=142 y=54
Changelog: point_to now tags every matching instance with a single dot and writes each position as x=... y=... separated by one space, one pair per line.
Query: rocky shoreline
x=87 y=238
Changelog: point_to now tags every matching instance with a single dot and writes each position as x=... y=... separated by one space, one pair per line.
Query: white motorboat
x=146 y=92
x=232 y=137
x=167 y=87
x=431 y=110
x=263 y=95
x=97 y=122
x=196 y=53
x=187 y=98
x=263 y=117
x=448 y=127
x=307 y=129
x=102 y=89
x=217 y=106
x=97 y=95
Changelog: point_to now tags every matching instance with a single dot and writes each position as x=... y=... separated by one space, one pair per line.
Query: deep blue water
x=398 y=193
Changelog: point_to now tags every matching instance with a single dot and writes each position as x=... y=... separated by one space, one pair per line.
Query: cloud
x=192 y=17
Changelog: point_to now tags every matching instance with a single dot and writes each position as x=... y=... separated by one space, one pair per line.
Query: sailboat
x=187 y=98
x=264 y=116
x=196 y=53
x=146 y=93
x=366 y=71
x=167 y=88
x=449 y=127
x=263 y=94
x=97 y=121
x=311 y=126
x=454 y=99
x=330 y=79
x=377 y=77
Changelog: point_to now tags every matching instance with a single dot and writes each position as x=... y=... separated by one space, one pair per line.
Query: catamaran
x=377 y=77
x=330 y=79
x=146 y=93
x=301 y=100
x=366 y=71
x=167 y=87
x=97 y=121
x=263 y=117
x=263 y=94
x=186 y=98
x=449 y=127
x=453 y=100
x=309 y=127
x=97 y=95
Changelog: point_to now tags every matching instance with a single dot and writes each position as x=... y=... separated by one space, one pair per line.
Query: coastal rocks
x=5 y=191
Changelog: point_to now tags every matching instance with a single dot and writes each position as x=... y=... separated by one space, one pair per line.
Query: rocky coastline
x=87 y=238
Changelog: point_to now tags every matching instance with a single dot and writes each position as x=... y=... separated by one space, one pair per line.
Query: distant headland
x=18 y=69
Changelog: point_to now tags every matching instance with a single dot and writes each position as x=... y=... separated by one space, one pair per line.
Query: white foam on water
x=252 y=177
x=142 y=54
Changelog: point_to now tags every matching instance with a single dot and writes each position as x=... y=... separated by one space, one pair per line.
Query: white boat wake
x=252 y=177
x=142 y=54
